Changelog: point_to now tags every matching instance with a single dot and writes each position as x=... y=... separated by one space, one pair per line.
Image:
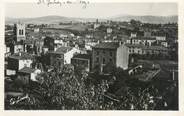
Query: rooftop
x=144 y=38
x=62 y=50
x=155 y=48
x=82 y=56
x=21 y=56
x=107 y=45
x=27 y=70
x=146 y=47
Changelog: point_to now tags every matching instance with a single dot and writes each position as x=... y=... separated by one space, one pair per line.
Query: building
x=18 y=47
x=147 y=41
x=27 y=74
x=160 y=38
x=110 y=53
x=18 y=61
x=49 y=43
x=29 y=46
x=147 y=50
x=133 y=35
x=147 y=34
x=39 y=43
x=19 y=31
x=62 y=56
x=109 y=30
x=82 y=60
x=135 y=48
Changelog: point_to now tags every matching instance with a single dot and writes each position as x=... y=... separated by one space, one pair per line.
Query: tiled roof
x=146 y=47
x=144 y=38
x=107 y=45
x=23 y=56
x=62 y=50
x=135 y=45
x=155 y=48
x=82 y=56
x=29 y=41
x=26 y=70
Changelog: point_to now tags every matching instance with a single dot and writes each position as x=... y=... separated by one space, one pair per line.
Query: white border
x=94 y=112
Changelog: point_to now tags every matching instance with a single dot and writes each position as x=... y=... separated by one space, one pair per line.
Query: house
x=135 y=48
x=82 y=60
x=141 y=40
x=36 y=30
x=156 y=50
x=39 y=43
x=109 y=30
x=147 y=34
x=62 y=56
x=18 y=47
x=18 y=61
x=160 y=38
x=29 y=46
x=7 y=52
x=133 y=35
x=110 y=53
x=27 y=74
x=147 y=50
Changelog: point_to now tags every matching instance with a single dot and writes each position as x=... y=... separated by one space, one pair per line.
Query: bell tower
x=19 y=30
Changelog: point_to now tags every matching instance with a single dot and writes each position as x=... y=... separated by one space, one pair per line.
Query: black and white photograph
x=81 y=55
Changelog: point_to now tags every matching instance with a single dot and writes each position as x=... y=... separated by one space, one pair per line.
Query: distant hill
x=147 y=19
x=57 y=19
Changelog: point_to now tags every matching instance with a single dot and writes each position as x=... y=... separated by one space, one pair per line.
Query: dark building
x=49 y=43
x=83 y=61
x=113 y=53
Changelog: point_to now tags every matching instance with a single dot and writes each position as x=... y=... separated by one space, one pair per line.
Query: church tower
x=19 y=30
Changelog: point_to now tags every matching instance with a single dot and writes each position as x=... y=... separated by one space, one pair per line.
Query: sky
x=93 y=10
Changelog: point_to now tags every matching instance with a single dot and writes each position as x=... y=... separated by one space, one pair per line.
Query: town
x=100 y=65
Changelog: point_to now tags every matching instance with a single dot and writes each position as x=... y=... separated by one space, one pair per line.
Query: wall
x=23 y=63
x=122 y=57
x=103 y=53
x=68 y=56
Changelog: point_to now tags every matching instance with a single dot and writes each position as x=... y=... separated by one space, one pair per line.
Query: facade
x=133 y=35
x=83 y=61
x=109 y=30
x=141 y=40
x=49 y=43
x=110 y=52
x=161 y=38
x=147 y=50
x=39 y=43
x=18 y=61
x=27 y=74
x=18 y=48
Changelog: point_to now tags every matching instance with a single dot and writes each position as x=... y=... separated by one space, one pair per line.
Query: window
x=22 y=31
x=110 y=60
x=110 y=53
x=97 y=59
x=97 y=52
x=103 y=52
x=19 y=32
x=103 y=60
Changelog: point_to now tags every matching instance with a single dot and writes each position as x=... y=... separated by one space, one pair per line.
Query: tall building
x=110 y=52
x=19 y=30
